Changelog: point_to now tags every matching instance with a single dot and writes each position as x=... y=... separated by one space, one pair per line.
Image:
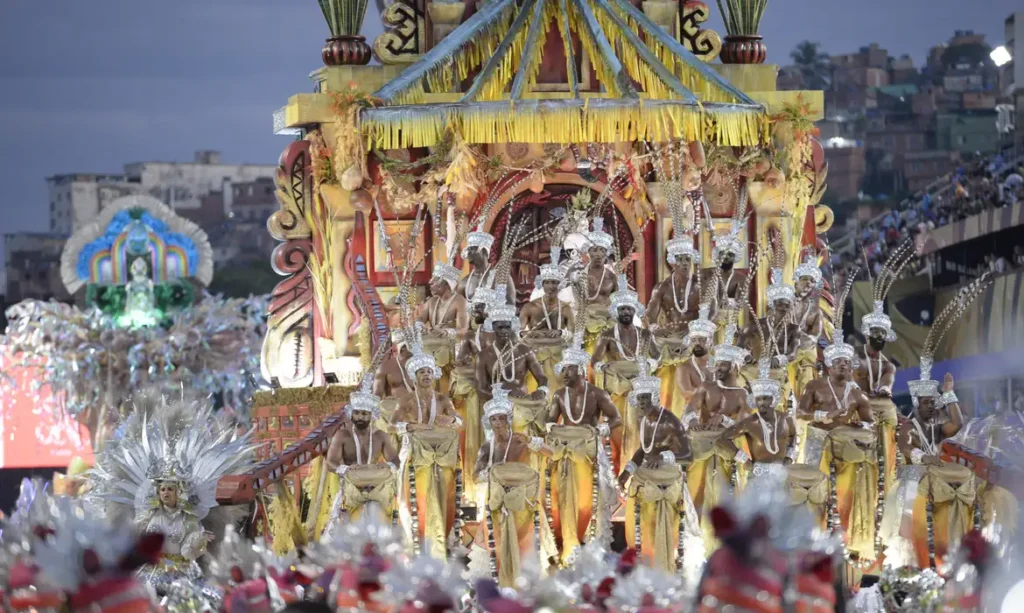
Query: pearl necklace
x=654 y=435
x=600 y=284
x=504 y=459
x=622 y=351
x=686 y=296
x=433 y=408
x=846 y=394
x=469 y=279
x=871 y=377
x=501 y=363
x=583 y=405
x=433 y=313
x=766 y=431
x=929 y=446
x=547 y=315
x=359 y=446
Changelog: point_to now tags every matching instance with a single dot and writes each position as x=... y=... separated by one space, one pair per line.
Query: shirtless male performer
x=921 y=436
x=809 y=322
x=600 y=276
x=770 y=434
x=778 y=325
x=548 y=316
x=720 y=402
x=576 y=436
x=356 y=449
x=727 y=250
x=663 y=440
x=477 y=252
x=506 y=361
x=835 y=400
x=391 y=380
x=424 y=409
x=678 y=296
x=445 y=313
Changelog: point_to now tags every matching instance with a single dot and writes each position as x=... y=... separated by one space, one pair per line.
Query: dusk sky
x=89 y=85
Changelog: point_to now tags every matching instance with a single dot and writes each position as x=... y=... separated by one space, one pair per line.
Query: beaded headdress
x=483 y=295
x=727 y=351
x=501 y=312
x=420 y=360
x=764 y=385
x=890 y=272
x=644 y=382
x=597 y=237
x=479 y=239
x=838 y=348
x=625 y=297
x=703 y=326
x=499 y=404
x=551 y=271
x=779 y=289
x=730 y=242
x=681 y=246
x=364 y=399
x=809 y=268
x=447 y=273
x=926 y=386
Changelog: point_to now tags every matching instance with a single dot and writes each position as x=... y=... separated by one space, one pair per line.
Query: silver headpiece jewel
x=170 y=440
x=877 y=319
x=420 y=360
x=764 y=385
x=809 y=268
x=479 y=239
x=364 y=399
x=447 y=273
x=926 y=386
x=574 y=355
x=702 y=327
x=838 y=348
x=888 y=275
x=780 y=289
x=598 y=237
x=681 y=247
x=729 y=243
x=551 y=271
x=499 y=311
x=727 y=351
x=645 y=383
x=499 y=404
x=625 y=297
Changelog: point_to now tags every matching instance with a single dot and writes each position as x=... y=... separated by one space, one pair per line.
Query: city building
x=32 y=262
x=917 y=170
x=1012 y=77
x=967 y=131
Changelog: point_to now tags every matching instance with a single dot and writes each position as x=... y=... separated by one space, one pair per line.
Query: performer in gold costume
x=547 y=322
x=513 y=489
x=875 y=373
x=576 y=437
x=673 y=305
x=809 y=323
x=696 y=370
x=445 y=316
x=779 y=327
x=656 y=494
x=481 y=274
x=364 y=459
x=600 y=283
x=717 y=405
x=616 y=363
x=428 y=425
x=464 y=391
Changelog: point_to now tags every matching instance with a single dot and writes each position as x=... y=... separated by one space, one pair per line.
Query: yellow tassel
x=332 y=484
x=285 y=525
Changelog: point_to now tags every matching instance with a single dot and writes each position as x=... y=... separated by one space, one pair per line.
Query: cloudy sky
x=88 y=85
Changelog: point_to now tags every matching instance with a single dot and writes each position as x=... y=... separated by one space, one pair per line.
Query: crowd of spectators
x=986 y=184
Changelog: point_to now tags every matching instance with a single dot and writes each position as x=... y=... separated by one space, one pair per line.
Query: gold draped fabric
x=886 y=427
x=749 y=372
x=433 y=456
x=673 y=357
x=802 y=370
x=443 y=351
x=709 y=476
x=808 y=487
x=598 y=320
x=854 y=452
x=616 y=380
x=467 y=404
x=529 y=417
x=658 y=492
x=548 y=352
x=573 y=462
x=513 y=494
x=952 y=489
x=365 y=484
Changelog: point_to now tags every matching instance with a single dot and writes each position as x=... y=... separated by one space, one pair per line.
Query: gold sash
x=954 y=485
x=573 y=462
x=434 y=456
x=673 y=346
x=363 y=484
x=886 y=427
x=439 y=347
x=529 y=416
x=808 y=487
x=467 y=404
x=514 y=490
x=659 y=493
x=854 y=451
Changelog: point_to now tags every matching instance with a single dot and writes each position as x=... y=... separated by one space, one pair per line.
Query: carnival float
x=557 y=331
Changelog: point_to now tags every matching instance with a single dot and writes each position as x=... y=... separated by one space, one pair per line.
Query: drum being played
x=850 y=457
x=808 y=487
x=368 y=484
x=428 y=486
x=616 y=380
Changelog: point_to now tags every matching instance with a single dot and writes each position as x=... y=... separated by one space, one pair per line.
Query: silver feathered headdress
x=169 y=440
x=880 y=289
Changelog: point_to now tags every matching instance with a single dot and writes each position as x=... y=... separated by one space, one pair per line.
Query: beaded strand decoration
x=491 y=547
x=457 y=524
x=414 y=511
x=637 y=537
x=680 y=547
x=930 y=518
x=536 y=528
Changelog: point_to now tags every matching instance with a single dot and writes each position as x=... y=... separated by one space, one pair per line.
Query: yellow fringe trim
x=604 y=73
x=502 y=124
x=332 y=484
x=635 y=66
x=285 y=524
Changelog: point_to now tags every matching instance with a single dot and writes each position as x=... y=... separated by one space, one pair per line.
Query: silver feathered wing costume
x=178 y=442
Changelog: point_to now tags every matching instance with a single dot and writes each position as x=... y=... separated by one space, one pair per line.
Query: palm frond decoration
x=344 y=17
x=742 y=17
